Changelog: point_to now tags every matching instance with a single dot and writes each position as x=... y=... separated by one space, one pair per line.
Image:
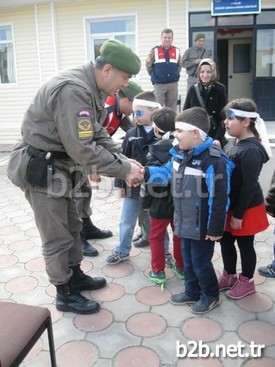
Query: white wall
x=49 y=38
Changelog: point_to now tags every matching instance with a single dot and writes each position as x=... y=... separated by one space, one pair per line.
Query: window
x=202 y=19
x=7 y=63
x=101 y=29
x=265 y=57
x=235 y=20
x=266 y=17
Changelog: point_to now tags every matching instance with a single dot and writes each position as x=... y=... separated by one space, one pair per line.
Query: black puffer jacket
x=158 y=199
x=135 y=145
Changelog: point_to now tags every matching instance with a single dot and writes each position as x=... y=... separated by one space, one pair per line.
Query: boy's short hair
x=147 y=96
x=196 y=116
x=164 y=119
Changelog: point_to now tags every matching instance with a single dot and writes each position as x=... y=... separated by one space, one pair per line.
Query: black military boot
x=92 y=232
x=83 y=282
x=87 y=248
x=70 y=300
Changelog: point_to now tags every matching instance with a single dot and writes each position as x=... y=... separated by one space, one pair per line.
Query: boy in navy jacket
x=200 y=175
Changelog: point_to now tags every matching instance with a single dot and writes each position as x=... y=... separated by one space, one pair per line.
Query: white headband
x=154 y=125
x=188 y=127
x=241 y=113
x=145 y=103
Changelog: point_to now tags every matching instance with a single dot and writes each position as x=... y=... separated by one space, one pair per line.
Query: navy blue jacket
x=158 y=198
x=135 y=145
x=200 y=187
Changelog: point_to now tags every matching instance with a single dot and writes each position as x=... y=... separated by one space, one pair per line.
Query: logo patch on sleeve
x=84 y=125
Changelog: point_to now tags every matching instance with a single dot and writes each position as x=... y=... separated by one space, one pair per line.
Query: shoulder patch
x=84 y=125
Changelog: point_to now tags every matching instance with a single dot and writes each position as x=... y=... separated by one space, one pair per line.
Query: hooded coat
x=214 y=100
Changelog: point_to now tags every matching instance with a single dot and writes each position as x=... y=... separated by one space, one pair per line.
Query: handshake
x=136 y=174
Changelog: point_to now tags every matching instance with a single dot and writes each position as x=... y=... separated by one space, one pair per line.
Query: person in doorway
x=247 y=215
x=192 y=57
x=163 y=64
x=60 y=135
x=119 y=108
x=211 y=95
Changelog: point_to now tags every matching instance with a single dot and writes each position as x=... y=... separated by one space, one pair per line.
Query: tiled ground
x=137 y=326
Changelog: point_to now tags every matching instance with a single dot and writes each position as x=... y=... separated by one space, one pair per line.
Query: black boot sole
x=65 y=308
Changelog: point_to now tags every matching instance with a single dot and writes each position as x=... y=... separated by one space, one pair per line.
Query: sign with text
x=229 y=7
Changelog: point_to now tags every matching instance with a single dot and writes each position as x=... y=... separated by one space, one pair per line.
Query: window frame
x=9 y=26
x=90 y=38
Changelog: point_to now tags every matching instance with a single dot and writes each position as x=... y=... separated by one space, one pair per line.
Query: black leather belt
x=37 y=152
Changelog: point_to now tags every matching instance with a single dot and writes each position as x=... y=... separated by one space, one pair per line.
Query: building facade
x=40 y=37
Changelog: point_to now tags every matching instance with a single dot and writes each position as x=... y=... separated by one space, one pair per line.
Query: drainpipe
x=37 y=43
x=167 y=14
x=53 y=20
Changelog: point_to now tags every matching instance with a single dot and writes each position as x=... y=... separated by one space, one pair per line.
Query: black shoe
x=70 y=300
x=92 y=232
x=87 y=248
x=137 y=237
x=141 y=243
x=83 y=282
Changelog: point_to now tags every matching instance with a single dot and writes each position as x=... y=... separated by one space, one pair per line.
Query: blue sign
x=229 y=7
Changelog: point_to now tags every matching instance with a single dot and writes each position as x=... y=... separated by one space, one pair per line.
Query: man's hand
x=136 y=174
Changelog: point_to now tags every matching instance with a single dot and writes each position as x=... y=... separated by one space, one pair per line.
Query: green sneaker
x=179 y=273
x=158 y=278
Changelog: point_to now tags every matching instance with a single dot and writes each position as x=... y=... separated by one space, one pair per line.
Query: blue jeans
x=200 y=277
x=128 y=219
x=129 y=215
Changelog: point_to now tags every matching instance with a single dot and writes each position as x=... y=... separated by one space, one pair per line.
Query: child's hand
x=121 y=193
x=236 y=223
x=95 y=177
x=213 y=238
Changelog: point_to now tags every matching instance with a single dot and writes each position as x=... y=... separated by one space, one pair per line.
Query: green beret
x=132 y=89
x=119 y=55
x=199 y=36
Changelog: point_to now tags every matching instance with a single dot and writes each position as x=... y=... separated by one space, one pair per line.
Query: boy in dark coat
x=158 y=199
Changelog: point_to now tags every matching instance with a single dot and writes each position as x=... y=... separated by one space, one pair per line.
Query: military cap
x=121 y=56
x=132 y=89
x=199 y=36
